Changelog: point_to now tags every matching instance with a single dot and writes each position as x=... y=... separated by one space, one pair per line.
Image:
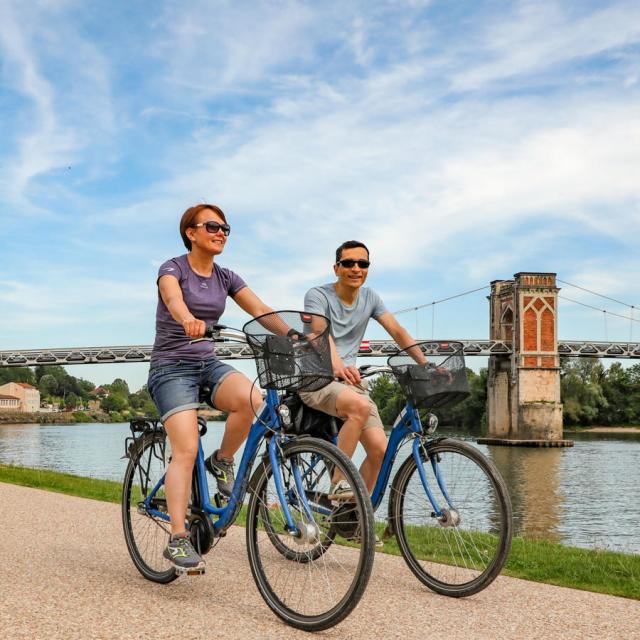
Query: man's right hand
x=350 y=375
x=194 y=328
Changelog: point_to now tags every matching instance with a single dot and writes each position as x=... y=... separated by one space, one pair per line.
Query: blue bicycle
x=291 y=523
x=449 y=507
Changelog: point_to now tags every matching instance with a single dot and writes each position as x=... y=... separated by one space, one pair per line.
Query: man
x=349 y=306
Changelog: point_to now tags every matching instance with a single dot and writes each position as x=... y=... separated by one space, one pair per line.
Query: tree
x=118 y=386
x=142 y=403
x=113 y=403
x=581 y=390
x=17 y=374
x=71 y=401
x=387 y=394
x=48 y=385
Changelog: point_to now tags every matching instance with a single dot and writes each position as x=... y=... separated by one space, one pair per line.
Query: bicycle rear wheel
x=147 y=536
x=462 y=551
x=311 y=581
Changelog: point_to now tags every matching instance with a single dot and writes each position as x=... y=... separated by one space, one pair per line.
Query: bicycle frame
x=408 y=425
x=267 y=421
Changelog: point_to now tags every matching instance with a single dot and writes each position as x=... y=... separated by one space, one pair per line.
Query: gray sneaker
x=223 y=472
x=181 y=554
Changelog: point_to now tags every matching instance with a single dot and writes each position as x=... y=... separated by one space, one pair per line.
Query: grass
x=103 y=490
x=544 y=561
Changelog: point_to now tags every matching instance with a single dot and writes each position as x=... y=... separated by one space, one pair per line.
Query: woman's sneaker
x=223 y=472
x=341 y=491
x=181 y=554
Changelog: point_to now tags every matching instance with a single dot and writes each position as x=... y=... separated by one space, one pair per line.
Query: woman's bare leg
x=182 y=429
x=241 y=400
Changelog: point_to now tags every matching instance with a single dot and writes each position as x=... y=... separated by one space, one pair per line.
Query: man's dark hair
x=349 y=244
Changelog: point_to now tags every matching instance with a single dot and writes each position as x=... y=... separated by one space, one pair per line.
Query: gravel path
x=68 y=575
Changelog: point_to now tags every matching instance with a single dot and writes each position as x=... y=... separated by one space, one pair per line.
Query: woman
x=192 y=291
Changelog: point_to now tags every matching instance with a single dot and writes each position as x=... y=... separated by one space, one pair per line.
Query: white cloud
x=458 y=151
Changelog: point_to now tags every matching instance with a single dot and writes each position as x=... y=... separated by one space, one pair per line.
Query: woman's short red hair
x=190 y=216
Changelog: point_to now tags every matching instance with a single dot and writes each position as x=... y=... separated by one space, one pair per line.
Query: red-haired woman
x=192 y=292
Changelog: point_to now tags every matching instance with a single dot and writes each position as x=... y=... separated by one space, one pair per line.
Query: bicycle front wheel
x=311 y=578
x=462 y=550
x=147 y=535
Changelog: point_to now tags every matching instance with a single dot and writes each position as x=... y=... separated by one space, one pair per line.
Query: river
x=585 y=496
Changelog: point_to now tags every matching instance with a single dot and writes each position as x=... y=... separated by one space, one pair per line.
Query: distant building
x=27 y=395
x=9 y=403
x=99 y=392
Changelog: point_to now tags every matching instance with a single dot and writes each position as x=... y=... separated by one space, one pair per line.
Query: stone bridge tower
x=523 y=393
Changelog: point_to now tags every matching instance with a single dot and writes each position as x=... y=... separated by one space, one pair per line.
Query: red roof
x=25 y=385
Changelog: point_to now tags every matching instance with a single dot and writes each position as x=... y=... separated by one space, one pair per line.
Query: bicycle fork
x=306 y=531
x=448 y=516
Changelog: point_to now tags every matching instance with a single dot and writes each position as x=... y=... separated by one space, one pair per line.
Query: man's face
x=353 y=276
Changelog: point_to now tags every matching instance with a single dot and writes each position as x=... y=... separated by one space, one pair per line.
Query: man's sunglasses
x=348 y=263
x=213 y=227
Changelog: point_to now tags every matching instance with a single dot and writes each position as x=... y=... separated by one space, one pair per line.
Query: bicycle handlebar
x=222 y=333
x=367 y=370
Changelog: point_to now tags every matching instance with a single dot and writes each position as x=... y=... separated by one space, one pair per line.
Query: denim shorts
x=176 y=387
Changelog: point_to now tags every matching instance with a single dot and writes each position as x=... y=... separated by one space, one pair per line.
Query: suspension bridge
x=523 y=399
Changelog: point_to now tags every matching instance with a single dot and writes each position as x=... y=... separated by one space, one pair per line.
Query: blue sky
x=463 y=142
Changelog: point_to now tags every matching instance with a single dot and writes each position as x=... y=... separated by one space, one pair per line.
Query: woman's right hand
x=194 y=328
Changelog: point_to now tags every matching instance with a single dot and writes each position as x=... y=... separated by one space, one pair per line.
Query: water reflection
x=533 y=477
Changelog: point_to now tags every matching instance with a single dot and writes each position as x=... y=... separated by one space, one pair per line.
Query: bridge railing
x=230 y=351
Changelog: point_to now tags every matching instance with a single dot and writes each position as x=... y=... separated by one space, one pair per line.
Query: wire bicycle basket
x=291 y=349
x=442 y=382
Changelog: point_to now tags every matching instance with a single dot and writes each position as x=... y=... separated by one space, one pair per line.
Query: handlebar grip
x=213 y=329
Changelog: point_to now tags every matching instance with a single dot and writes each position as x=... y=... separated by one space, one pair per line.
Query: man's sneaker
x=341 y=491
x=379 y=544
x=181 y=554
x=223 y=472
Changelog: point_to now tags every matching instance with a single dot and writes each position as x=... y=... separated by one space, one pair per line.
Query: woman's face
x=212 y=243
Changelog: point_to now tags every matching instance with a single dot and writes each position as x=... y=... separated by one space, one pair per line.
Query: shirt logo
x=203 y=285
x=168 y=269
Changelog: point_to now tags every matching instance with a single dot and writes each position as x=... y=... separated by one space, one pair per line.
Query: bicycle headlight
x=431 y=423
x=285 y=415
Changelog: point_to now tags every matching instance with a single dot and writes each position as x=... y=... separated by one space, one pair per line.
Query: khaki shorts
x=325 y=400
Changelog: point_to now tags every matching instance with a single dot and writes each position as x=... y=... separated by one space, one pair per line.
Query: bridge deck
x=235 y=351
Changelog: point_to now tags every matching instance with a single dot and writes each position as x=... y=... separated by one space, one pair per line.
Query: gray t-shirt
x=348 y=324
x=204 y=297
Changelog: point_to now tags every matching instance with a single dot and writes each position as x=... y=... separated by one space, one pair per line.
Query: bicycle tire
x=455 y=559
x=146 y=536
x=342 y=573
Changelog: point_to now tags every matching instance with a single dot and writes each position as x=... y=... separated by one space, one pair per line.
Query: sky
x=462 y=142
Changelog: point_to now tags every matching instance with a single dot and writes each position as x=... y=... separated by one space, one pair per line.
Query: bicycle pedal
x=220 y=500
x=198 y=571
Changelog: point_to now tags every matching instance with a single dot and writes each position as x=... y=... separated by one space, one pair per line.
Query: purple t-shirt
x=204 y=297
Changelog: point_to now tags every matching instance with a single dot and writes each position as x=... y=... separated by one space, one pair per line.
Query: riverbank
x=603 y=429
x=58 y=417
x=75 y=417
x=535 y=560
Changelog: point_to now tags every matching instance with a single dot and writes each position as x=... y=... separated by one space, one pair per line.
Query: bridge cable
x=611 y=313
x=428 y=304
x=595 y=293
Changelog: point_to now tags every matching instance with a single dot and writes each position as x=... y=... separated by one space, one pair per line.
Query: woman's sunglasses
x=348 y=263
x=213 y=227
